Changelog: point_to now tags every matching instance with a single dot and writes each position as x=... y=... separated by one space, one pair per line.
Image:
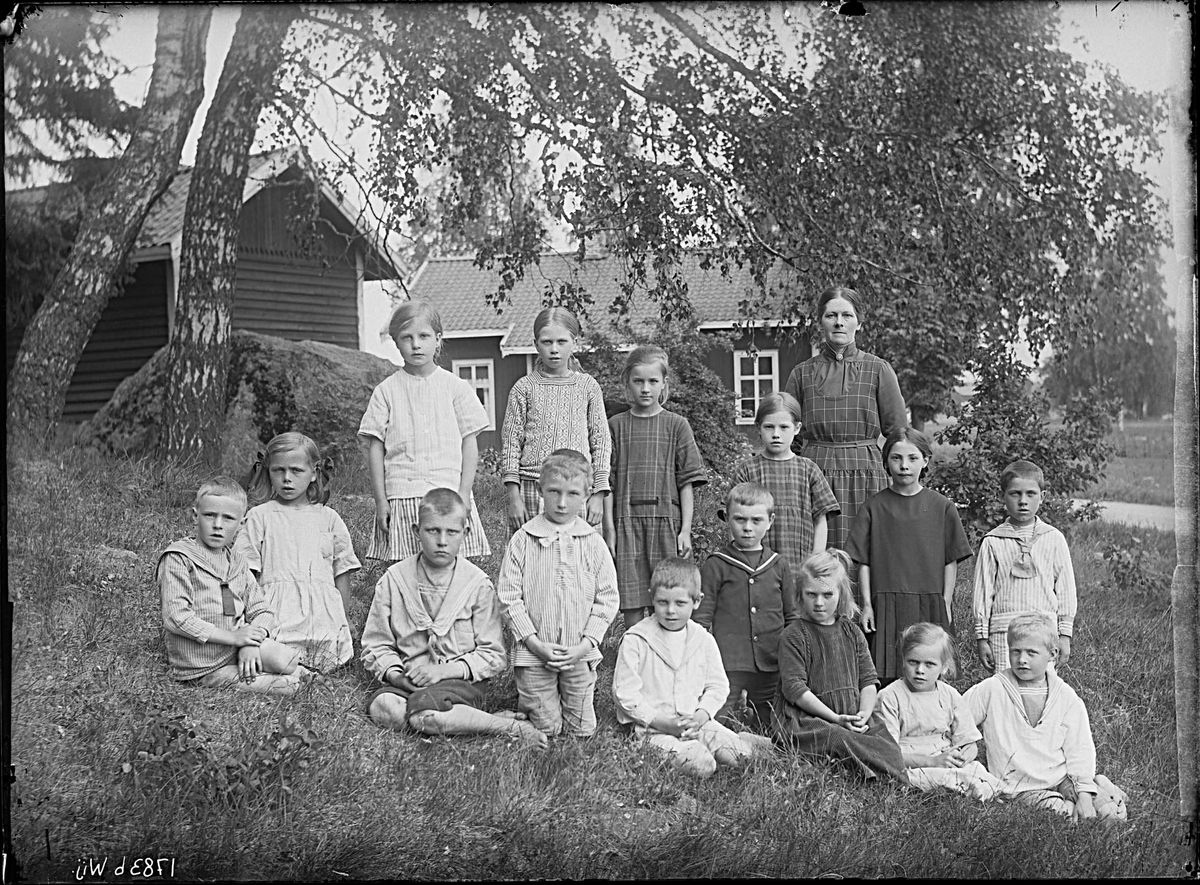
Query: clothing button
x=752 y=580
x=756 y=639
x=753 y=610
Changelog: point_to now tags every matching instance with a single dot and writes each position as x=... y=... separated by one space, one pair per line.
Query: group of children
x=766 y=637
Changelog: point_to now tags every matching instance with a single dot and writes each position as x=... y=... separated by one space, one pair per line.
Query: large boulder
x=274 y=385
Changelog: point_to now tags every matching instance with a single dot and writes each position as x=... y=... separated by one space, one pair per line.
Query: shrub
x=1006 y=421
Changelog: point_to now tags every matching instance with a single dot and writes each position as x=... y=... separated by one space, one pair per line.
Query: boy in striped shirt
x=1023 y=566
x=215 y=617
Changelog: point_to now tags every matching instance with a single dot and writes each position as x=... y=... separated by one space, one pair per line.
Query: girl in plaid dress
x=419 y=433
x=555 y=406
x=803 y=499
x=846 y=398
x=655 y=466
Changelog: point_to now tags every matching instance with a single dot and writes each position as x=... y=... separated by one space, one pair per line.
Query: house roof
x=164 y=223
x=460 y=290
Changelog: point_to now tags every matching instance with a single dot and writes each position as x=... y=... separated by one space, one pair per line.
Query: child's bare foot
x=757 y=744
x=509 y=714
x=527 y=734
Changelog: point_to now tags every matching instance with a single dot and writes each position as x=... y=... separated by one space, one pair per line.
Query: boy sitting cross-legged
x=433 y=635
x=669 y=681
x=214 y=612
x=1036 y=731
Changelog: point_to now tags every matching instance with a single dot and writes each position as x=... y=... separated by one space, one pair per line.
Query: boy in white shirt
x=433 y=635
x=1036 y=730
x=669 y=680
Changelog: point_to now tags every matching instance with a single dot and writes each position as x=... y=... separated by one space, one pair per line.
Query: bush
x=1004 y=422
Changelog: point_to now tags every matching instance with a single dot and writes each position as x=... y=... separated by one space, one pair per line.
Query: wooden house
x=492 y=350
x=285 y=287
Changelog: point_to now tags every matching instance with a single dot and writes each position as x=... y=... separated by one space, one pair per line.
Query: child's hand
x=855 y=722
x=249 y=634
x=692 y=724
x=984 y=650
x=868 y=618
x=249 y=662
x=1085 y=807
x=517 y=515
x=426 y=674
x=1064 y=650
x=383 y=520
x=564 y=658
x=684 y=544
x=544 y=650
x=595 y=508
x=952 y=758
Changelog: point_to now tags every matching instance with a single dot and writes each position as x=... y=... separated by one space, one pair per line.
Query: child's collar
x=1007 y=530
x=540 y=527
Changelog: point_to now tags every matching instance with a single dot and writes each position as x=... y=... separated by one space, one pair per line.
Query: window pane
x=481 y=372
x=747 y=365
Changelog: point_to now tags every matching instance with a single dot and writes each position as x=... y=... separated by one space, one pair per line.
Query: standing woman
x=848 y=399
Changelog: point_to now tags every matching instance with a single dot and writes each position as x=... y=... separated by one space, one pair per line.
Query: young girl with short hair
x=300 y=551
x=929 y=719
x=827 y=683
x=803 y=498
x=909 y=541
x=419 y=433
x=655 y=466
x=556 y=406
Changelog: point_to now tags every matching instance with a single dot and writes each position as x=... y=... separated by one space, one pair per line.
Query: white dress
x=296 y=553
x=929 y=723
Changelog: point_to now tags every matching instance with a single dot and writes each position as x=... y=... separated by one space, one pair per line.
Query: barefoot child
x=558 y=590
x=803 y=499
x=929 y=719
x=433 y=634
x=1024 y=565
x=420 y=432
x=1036 y=730
x=217 y=621
x=555 y=406
x=300 y=551
x=827 y=683
x=655 y=467
x=669 y=682
x=748 y=598
x=909 y=541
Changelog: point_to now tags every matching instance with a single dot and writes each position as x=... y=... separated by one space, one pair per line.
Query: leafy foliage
x=1006 y=421
x=58 y=91
x=1127 y=346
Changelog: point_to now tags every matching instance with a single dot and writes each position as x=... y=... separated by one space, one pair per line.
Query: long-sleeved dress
x=847 y=401
x=833 y=662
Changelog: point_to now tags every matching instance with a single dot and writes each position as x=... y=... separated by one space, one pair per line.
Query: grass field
x=113 y=760
x=1143 y=470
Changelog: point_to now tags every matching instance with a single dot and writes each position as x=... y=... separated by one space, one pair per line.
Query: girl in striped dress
x=419 y=433
x=655 y=466
x=803 y=499
x=555 y=406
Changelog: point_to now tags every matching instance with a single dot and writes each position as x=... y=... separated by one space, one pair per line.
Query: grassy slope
x=89 y=672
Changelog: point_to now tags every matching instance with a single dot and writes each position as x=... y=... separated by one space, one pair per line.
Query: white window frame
x=489 y=400
x=758 y=377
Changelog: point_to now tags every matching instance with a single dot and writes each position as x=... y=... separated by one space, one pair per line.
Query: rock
x=274 y=385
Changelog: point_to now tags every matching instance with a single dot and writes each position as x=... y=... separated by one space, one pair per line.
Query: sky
x=1132 y=36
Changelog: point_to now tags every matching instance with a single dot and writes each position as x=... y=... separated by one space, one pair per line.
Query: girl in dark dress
x=827 y=683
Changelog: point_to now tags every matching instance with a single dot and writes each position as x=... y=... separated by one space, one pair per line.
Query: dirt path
x=1138 y=514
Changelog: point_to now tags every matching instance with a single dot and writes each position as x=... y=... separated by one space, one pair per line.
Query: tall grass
x=112 y=758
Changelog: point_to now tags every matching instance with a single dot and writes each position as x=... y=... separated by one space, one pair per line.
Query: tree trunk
x=198 y=353
x=62 y=326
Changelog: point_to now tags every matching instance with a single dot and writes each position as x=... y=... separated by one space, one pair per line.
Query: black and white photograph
x=507 y=441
